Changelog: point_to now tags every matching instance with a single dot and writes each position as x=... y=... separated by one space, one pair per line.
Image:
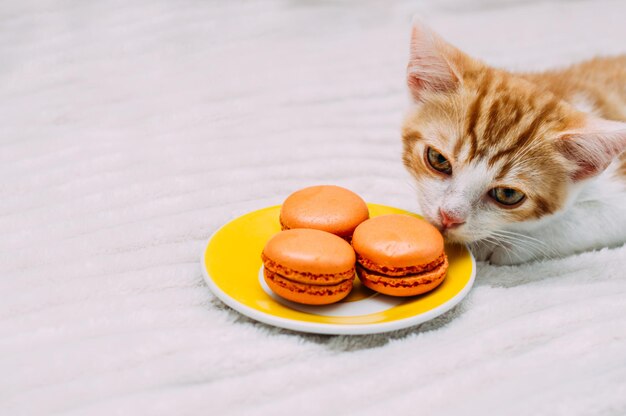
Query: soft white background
x=130 y=131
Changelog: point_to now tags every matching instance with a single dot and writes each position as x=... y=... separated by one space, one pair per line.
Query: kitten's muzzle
x=450 y=220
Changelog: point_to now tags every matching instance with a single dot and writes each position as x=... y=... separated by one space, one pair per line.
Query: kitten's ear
x=593 y=147
x=429 y=68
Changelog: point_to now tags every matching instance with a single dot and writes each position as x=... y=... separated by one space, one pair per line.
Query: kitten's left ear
x=593 y=147
x=429 y=68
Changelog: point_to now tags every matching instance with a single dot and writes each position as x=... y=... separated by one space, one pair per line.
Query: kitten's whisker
x=500 y=243
x=537 y=244
x=523 y=153
x=530 y=245
x=411 y=185
x=527 y=246
x=519 y=235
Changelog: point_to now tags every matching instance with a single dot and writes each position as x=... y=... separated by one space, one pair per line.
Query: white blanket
x=130 y=131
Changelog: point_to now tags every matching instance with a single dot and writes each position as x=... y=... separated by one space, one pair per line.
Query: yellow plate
x=233 y=270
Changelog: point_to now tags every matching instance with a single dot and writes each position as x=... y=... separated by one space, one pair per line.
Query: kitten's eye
x=438 y=161
x=507 y=196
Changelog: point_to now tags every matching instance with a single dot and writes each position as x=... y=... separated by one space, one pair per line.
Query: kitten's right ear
x=429 y=68
x=593 y=147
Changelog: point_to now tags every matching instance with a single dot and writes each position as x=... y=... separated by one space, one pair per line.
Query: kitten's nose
x=449 y=220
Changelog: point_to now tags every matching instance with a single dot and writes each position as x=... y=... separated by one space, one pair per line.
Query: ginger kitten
x=521 y=166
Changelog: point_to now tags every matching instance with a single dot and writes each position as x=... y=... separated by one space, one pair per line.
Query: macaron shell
x=397 y=240
x=410 y=285
x=309 y=251
x=325 y=207
x=304 y=293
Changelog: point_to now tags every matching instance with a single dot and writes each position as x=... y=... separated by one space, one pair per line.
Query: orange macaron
x=399 y=255
x=309 y=266
x=328 y=208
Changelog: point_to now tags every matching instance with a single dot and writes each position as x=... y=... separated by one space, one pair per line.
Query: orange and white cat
x=521 y=166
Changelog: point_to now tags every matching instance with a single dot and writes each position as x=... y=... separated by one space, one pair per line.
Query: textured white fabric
x=130 y=131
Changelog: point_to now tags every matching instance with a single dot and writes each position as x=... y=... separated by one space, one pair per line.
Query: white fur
x=583 y=103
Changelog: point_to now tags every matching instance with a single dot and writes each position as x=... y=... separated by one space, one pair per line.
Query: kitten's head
x=489 y=150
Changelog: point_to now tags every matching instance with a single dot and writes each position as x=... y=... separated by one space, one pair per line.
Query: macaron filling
x=400 y=271
x=317 y=290
x=410 y=280
x=306 y=277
